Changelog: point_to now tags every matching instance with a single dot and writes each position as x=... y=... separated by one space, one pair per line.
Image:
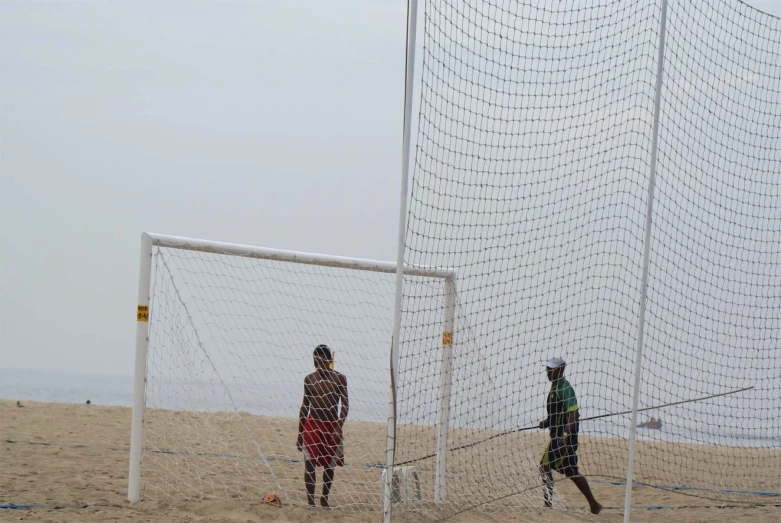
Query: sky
x=276 y=124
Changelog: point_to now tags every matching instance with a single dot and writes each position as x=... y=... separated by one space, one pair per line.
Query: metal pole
x=306 y=258
x=139 y=379
x=443 y=398
x=646 y=257
x=412 y=16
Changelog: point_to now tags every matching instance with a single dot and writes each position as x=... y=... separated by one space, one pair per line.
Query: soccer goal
x=225 y=336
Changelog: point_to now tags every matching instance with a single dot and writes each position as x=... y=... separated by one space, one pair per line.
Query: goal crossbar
x=307 y=258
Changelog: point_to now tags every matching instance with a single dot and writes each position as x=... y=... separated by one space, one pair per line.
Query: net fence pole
x=646 y=259
x=390 y=449
x=139 y=378
x=443 y=397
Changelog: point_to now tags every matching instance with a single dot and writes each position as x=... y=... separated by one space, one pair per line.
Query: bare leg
x=328 y=478
x=582 y=485
x=547 y=485
x=309 y=480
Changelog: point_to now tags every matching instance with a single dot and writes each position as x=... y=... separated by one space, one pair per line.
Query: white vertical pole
x=390 y=449
x=139 y=379
x=443 y=399
x=646 y=257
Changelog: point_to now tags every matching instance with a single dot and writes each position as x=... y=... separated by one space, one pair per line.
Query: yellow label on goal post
x=447 y=338
x=143 y=313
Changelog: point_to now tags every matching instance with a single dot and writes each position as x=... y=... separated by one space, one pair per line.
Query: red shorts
x=323 y=442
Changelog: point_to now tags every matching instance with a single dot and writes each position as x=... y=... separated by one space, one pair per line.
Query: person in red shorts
x=320 y=421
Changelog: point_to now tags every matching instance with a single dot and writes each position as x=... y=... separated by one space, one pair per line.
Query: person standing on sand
x=561 y=453
x=320 y=423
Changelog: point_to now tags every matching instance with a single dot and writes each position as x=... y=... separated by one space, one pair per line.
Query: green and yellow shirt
x=561 y=401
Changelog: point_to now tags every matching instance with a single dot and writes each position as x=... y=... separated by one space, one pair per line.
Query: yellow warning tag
x=143 y=313
x=447 y=338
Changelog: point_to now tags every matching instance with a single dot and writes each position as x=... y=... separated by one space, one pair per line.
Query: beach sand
x=75 y=455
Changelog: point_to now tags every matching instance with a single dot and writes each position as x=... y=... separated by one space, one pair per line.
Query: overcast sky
x=268 y=123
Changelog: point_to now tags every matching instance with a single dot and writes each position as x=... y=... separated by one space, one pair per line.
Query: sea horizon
x=66 y=387
x=73 y=387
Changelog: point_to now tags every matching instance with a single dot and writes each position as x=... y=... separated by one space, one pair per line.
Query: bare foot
x=596 y=508
x=324 y=503
x=311 y=501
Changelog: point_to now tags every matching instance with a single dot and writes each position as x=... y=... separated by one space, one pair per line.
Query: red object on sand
x=270 y=499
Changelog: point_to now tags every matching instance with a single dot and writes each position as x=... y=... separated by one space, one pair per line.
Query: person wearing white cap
x=561 y=453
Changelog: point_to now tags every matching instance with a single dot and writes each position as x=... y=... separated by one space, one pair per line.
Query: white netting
x=531 y=164
x=714 y=289
x=532 y=148
x=230 y=341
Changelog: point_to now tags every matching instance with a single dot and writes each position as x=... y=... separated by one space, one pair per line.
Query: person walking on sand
x=320 y=423
x=563 y=422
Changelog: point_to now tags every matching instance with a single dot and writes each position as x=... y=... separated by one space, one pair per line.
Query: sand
x=76 y=455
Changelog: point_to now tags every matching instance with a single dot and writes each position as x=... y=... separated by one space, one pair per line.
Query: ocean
x=116 y=390
x=66 y=387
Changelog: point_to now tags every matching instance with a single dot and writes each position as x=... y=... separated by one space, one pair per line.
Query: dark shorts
x=563 y=460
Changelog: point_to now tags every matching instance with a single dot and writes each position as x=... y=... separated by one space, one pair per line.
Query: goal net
x=231 y=334
x=532 y=144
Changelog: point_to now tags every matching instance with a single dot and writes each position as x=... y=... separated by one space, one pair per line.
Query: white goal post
x=146 y=313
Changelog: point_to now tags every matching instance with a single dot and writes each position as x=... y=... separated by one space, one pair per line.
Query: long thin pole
x=443 y=398
x=390 y=450
x=139 y=379
x=533 y=427
x=646 y=258
x=306 y=258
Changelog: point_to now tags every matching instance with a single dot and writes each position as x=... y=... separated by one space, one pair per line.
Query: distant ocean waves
x=281 y=400
x=284 y=401
x=61 y=387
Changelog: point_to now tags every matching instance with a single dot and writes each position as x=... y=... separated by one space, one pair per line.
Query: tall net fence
x=531 y=159
x=231 y=339
x=714 y=286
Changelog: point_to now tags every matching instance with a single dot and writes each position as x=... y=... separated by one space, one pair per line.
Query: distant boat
x=653 y=423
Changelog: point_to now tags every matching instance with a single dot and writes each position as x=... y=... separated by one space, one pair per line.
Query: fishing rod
x=513 y=431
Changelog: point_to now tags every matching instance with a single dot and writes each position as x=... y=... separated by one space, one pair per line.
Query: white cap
x=555 y=363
